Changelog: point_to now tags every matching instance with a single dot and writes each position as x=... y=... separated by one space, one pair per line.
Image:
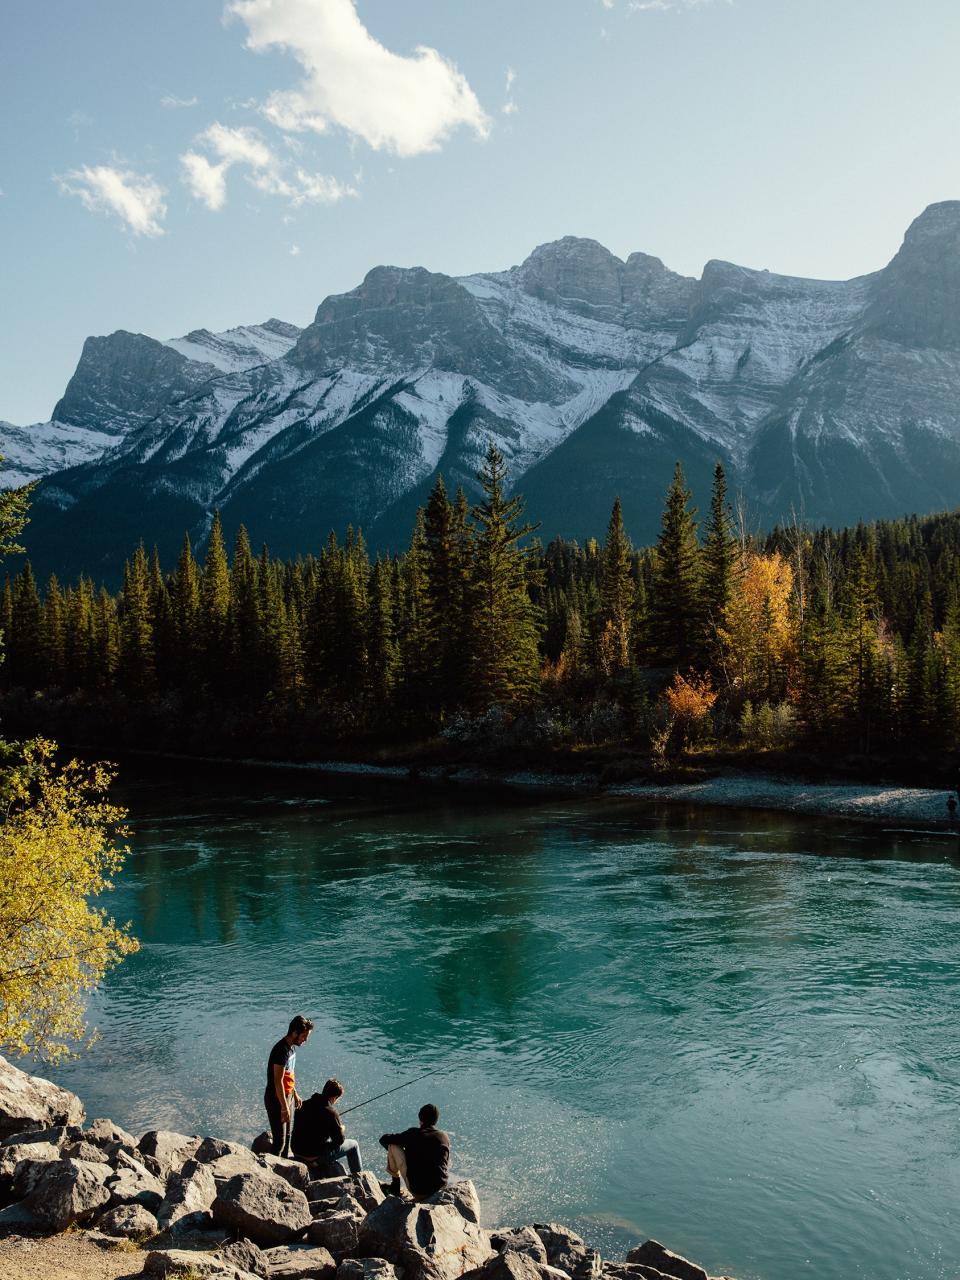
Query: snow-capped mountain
x=837 y=400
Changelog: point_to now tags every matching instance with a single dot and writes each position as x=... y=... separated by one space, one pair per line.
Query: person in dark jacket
x=320 y=1132
x=421 y=1156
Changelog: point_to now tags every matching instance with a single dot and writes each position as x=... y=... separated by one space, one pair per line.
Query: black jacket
x=428 y=1158
x=317 y=1128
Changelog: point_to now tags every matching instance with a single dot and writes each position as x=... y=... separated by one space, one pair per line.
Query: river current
x=735 y=1032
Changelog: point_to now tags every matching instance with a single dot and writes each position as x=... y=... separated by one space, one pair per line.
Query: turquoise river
x=735 y=1032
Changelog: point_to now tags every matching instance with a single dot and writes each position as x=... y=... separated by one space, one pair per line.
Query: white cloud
x=667 y=6
x=404 y=104
x=510 y=107
x=207 y=178
x=294 y=251
x=172 y=102
x=137 y=201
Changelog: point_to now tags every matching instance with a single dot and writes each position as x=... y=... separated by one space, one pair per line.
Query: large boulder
x=300 y=1262
x=367 y=1189
x=338 y=1231
x=18 y=1219
x=56 y=1135
x=511 y=1265
x=520 y=1240
x=263 y=1207
x=133 y=1183
x=245 y=1255
x=29 y=1154
x=463 y=1196
x=653 y=1254
x=30 y=1102
x=104 y=1133
x=189 y=1197
x=128 y=1221
x=83 y=1150
x=366 y=1269
x=188 y=1262
x=262 y=1144
x=568 y=1251
x=295 y=1171
x=169 y=1149
x=67 y=1192
x=429 y=1241
x=325 y=1188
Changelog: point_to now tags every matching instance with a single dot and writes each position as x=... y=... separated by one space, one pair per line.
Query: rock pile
x=210 y=1209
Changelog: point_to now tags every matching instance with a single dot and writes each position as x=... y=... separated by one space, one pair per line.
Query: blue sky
x=174 y=164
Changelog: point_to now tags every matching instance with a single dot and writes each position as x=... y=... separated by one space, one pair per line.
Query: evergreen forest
x=480 y=643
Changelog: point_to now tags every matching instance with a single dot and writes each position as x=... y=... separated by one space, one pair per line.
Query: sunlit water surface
x=737 y=1033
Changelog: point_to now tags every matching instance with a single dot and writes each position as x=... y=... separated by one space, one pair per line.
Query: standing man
x=280 y=1097
x=421 y=1156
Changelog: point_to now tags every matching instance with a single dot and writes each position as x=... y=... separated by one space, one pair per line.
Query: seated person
x=319 y=1131
x=421 y=1156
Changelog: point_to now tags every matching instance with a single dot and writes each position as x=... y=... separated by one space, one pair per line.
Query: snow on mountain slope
x=29 y=453
x=238 y=349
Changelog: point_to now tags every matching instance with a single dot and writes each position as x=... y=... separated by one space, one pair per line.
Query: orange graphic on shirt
x=288 y=1083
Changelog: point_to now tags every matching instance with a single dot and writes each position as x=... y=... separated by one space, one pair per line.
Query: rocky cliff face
x=834 y=400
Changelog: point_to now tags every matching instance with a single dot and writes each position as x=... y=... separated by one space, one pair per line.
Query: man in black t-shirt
x=421 y=1156
x=280 y=1096
x=320 y=1130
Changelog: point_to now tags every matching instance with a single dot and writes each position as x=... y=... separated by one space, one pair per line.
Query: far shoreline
x=886 y=805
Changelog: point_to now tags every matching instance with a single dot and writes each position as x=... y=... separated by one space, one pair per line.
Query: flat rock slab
x=300 y=1262
x=187 y=1262
x=28 y=1102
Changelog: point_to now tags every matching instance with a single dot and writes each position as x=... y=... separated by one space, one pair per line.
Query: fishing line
x=376 y=1098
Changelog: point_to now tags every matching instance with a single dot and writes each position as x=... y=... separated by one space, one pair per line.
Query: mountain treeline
x=848 y=640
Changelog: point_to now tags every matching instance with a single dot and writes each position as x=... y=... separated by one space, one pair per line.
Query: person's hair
x=332 y=1089
x=299 y=1024
x=428 y=1113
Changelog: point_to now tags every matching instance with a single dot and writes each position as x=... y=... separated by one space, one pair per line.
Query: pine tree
x=720 y=557
x=676 y=607
x=54 y=634
x=244 y=622
x=616 y=597
x=136 y=672
x=215 y=609
x=381 y=640
x=505 y=660
x=185 y=605
x=25 y=644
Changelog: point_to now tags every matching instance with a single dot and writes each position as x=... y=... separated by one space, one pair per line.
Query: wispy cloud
x=173 y=103
x=403 y=104
x=206 y=177
x=294 y=251
x=135 y=199
x=509 y=107
x=667 y=6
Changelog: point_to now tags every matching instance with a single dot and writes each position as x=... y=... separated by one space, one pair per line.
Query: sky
x=167 y=165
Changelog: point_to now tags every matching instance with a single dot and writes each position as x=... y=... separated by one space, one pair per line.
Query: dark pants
x=280 y=1131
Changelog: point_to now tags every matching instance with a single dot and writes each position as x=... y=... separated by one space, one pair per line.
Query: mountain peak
x=917 y=297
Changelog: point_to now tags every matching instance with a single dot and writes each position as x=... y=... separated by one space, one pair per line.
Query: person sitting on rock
x=280 y=1096
x=319 y=1134
x=421 y=1156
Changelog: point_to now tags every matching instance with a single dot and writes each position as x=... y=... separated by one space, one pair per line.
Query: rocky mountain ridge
x=833 y=400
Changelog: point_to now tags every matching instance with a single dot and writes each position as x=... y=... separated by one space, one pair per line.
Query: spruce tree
x=136 y=666
x=719 y=559
x=505 y=659
x=616 y=596
x=676 y=606
x=215 y=609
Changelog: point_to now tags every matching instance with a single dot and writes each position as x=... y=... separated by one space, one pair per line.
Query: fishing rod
x=376 y=1098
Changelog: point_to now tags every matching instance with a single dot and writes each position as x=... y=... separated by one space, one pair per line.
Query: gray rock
x=568 y=1251
x=324 y=1188
x=653 y=1254
x=300 y=1262
x=295 y=1171
x=83 y=1150
x=511 y=1265
x=463 y=1196
x=322 y=1208
x=366 y=1269
x=262 y=1144
x=169 y=1149
x=211 y=1149
x=188 y=1262
x=56 y=1135
x=68 y=1191
x=245 y=1255
x=129 y=1221
x=520 y=1240
x=430 y=1242
x=337 y=1231
x=263 y=1207
x=190 y=1193
x=29 y=1103
x=136 y=1186
x=367 y=1189
x=229 y=1165
x=18 y=1219
x=30 y=1155
x=106 y=1134
x=630 y=1271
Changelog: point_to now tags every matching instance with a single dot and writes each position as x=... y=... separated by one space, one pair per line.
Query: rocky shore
x=205 y=1209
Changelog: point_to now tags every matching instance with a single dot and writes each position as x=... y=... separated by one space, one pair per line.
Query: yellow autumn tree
x=689 y=699
x=60 y=844
x=758 y=635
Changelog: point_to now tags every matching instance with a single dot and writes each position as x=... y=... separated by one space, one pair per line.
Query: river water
x=735 y=1032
